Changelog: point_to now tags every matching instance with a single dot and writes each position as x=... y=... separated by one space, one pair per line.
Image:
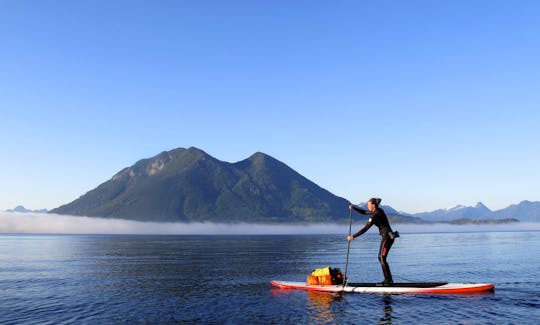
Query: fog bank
x=38 y=223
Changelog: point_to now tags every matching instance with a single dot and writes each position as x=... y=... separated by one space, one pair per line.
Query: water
x=225 y=279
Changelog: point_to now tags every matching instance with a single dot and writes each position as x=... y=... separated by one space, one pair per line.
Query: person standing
x=378 y=218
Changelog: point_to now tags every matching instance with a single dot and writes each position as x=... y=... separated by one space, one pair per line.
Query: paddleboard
x=428 y=287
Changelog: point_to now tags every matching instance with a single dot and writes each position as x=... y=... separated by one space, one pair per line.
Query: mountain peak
x=196 y=151
x=22 y=209
x=153 y=166
x=456 y=208
x=190 y=185
x=481 y=205
x=193 y=152
x=259 y=156
x=262 y=160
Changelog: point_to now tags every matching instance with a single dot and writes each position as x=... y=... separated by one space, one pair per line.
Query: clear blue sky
x=427 y=104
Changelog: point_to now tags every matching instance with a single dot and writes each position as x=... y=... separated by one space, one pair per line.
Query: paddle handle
x=348 y=248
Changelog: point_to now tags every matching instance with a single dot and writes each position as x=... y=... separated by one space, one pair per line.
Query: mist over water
x=39 y=223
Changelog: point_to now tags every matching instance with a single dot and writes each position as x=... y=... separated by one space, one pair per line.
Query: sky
x=426 y=104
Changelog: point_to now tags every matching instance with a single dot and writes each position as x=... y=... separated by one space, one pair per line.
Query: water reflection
x=387 y=310
x=325 y=308
x=320 y=303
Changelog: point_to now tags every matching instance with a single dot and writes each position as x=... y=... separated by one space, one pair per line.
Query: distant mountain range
x=190 y=185
x=22 y=209
x=524 y=211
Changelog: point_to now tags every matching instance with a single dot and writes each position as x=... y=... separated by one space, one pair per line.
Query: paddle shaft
x=348 y=248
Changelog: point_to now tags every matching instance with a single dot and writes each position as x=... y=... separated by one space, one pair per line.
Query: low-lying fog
x=36 y=223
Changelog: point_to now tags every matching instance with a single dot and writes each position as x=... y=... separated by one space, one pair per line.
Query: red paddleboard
x=428 y=287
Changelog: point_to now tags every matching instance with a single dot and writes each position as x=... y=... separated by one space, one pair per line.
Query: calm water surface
x=225 y=279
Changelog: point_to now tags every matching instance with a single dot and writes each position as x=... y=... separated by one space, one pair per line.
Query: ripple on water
x=198 y=279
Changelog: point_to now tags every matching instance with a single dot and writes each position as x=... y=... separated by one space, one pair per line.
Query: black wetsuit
x=379 y=219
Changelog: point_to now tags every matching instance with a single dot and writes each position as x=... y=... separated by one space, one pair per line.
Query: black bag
x=337 y=276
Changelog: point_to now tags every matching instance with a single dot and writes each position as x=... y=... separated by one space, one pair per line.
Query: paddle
x=348 y=248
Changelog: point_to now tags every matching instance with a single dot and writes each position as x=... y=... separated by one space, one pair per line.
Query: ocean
x=224 y=279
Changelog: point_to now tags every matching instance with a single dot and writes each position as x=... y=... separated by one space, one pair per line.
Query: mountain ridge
x=524 y=211
x=190 y=185
x=22 y=209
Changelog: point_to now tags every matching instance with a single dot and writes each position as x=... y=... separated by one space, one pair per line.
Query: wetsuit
x=379 y=219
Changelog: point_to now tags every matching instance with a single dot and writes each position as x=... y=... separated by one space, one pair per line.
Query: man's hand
x=349 y=238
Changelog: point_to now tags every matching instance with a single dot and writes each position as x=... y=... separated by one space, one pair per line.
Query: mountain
x=22 y=209
x=479 y=211
x=190 y=185
x=525 y=211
